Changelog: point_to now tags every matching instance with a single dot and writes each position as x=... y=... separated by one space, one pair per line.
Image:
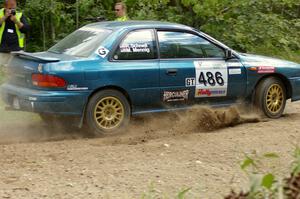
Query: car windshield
x=81 y=43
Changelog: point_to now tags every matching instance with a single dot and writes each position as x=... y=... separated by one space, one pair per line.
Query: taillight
x=49 y=81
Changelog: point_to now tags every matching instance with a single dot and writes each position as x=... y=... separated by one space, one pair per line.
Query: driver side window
x=211 y=50
x=186 y=45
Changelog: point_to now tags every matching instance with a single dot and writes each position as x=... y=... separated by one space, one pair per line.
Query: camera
x=13 y=12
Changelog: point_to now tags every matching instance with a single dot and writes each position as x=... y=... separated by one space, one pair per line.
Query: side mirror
x=228 y=54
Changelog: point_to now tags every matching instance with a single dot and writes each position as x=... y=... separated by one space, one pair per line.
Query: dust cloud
x=21 y=127
x=199 y=119
x=26 y=127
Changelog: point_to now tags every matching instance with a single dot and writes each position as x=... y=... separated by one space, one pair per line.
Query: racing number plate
x=211 y=78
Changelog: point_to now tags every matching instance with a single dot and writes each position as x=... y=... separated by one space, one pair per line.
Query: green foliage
x=181 y=195
x=296 y=162
x=268 y=181
x=49 y=20
x=247 y=162
x=263 y=182
x=270 y=27
x=154 y=193
x=52 y=20
x=271 y=155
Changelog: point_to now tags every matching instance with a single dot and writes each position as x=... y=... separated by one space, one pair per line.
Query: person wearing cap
x=120 y=10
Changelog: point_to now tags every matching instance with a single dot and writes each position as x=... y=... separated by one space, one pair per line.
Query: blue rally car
x=106 y=72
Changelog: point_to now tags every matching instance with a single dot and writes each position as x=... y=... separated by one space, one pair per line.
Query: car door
x=134 y=67
x=177 y=56
x=218 y=78
x=201 y=69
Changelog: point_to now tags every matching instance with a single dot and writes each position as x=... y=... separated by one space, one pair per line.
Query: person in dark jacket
x=13 y=27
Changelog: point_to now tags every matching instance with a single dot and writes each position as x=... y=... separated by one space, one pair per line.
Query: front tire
x=271 y=97
x=107 y=112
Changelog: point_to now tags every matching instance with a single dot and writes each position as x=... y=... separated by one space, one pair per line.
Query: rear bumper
x=55 y=102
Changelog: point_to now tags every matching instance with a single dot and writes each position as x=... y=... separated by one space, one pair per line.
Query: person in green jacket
x=13 y=27
x=120 y=10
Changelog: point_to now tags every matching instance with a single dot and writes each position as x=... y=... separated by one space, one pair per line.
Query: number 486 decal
x=211 y=79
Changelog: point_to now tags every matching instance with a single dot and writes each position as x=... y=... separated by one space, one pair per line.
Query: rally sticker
x=74 y=87
x=102 y=51
x=135 y=48
x=40 y=68
x=189 y=82
x=175 y=96
x=211 y=79
x=265 y=69
x=210 y=92
x=235 y=71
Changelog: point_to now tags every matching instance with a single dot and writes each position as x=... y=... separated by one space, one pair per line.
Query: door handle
x=171 y=72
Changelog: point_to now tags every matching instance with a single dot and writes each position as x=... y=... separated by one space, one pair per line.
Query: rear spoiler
x=34 y=56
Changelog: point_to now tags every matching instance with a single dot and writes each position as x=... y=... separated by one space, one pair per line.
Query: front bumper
x=40 y=101
x=295 y=83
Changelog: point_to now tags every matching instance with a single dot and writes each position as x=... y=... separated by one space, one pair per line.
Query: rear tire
x=270 y=97
x=107 y=112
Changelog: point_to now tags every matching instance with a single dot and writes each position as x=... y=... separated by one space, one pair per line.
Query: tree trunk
x=272 y=6
x=282 y=10
x=77 y=14
x=44 y=33
x=53 y=35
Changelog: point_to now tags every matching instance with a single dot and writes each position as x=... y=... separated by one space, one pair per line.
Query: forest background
x=268 y=27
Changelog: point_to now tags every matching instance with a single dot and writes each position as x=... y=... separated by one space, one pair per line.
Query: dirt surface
x=156 y=157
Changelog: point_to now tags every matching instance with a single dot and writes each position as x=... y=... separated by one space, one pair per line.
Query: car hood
x=258 y=60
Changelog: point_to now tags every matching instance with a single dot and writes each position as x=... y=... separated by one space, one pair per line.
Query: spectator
x=13 y=27
x=120 y=10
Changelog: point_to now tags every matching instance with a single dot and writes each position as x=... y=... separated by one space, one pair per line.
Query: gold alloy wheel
x=109 y=113
x=274 y=98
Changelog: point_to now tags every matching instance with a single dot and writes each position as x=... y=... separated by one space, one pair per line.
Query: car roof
x=117 y=25
x=131 y=25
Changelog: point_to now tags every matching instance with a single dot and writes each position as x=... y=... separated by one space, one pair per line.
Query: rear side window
x=186 y=45
x=82 y=42
x=137 y=45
